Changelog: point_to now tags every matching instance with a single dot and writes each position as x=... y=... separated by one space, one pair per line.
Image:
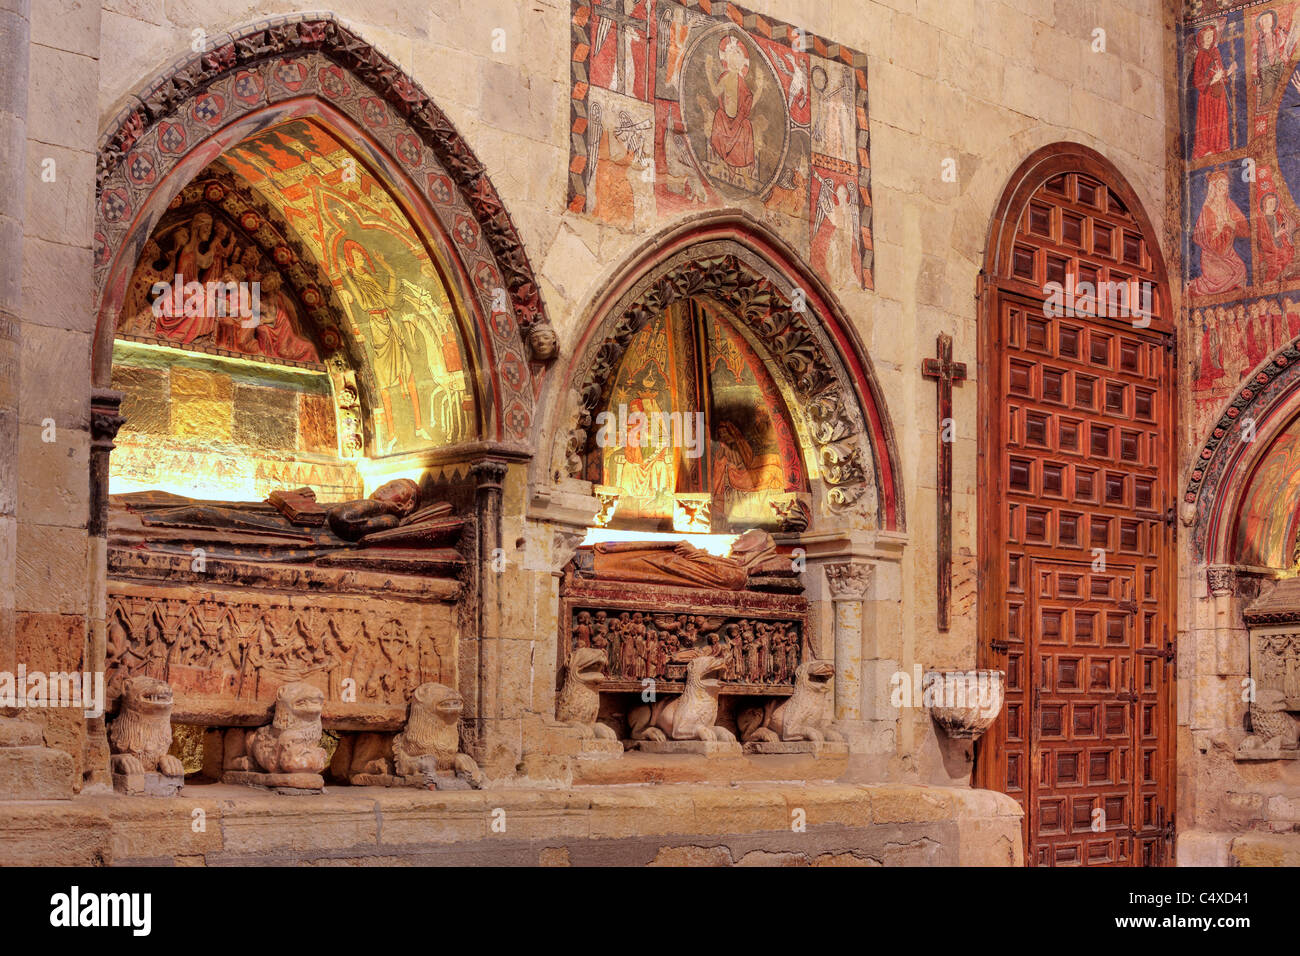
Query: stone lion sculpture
x=141 y=736
x=1274 y=728
x=429 y=745
x=801 y=716
x=579 y=700
x=291 y=742
x=693 y=715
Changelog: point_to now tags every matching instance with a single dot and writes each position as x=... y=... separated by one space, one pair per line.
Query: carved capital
x=848 y=581
x=105 y=418
x=489 y=475
x=1221 y=580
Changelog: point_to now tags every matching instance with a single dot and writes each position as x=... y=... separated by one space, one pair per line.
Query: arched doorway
x=1077 y=559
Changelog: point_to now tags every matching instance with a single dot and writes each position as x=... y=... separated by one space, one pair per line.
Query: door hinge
x=1000 y=647
x=1168 y=652
x=1128 y=696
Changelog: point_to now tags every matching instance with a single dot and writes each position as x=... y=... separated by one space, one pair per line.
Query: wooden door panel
x=1077 y=544
x=1086 y=553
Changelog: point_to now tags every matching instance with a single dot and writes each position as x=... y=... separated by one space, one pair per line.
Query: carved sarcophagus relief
x=1273 y=691
x=651 y=609
x=228 y=604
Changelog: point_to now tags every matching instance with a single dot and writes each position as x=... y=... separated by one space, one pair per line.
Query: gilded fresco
x=681 y=106
x=1266 y=533
x=733 y=446
x=395 y=301
x=347 y=222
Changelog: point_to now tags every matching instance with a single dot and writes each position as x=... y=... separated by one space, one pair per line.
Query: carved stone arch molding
x=1263 y=406
x=312 y=65
x=814 y=352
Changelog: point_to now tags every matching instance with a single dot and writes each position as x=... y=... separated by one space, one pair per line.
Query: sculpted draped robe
x=681 y=564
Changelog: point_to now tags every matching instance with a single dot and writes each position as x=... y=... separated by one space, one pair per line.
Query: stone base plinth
x=683 y=824
x=292 y=784
x=442 y=780
x=1267 y=753
x=35 y=772
x=148 y=784
x=824 y=748
x=600 y=748
x=709 y=748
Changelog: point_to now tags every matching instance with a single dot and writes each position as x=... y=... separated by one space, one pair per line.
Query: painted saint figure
x=1274 y=234
x=1214 y=96
x=1219 y=224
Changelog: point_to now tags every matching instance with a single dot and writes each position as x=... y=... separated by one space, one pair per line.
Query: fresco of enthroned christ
x=732 y=156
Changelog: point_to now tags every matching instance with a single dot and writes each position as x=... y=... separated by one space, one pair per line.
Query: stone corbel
x=965 y=703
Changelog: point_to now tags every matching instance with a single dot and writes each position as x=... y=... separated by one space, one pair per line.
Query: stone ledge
x=843 y=824
x=1265 y=849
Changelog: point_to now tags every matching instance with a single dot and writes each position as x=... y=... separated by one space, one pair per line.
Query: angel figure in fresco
x=1272 y=49
x=610 y=190
x=732 y=134
x=1274 y=232
x=1214 y=95
x=671 y=48
x=1219 y=223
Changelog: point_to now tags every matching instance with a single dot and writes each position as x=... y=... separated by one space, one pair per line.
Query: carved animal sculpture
x=142 y=733
x=291 y=742
x=1273 y=727
x=579 y=701
x=691 y=716
x=801 y=716
x=431 y=740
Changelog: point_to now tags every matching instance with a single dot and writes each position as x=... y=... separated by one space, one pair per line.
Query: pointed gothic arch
x=314 y=66
x=795 y=324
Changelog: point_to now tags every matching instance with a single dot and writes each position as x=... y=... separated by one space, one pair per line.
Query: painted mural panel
x=727 y=436
x=755 y=454
x=1241 y=140
x=693 y=104
x=1267 y=520
x=396 y=303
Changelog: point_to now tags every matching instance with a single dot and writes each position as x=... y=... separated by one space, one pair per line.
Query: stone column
x=15 y=39
x=848 y=586
x=105 y=420
x=28 y=769
x=483 y=676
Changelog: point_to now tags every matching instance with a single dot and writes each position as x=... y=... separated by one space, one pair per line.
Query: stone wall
x=960 y=93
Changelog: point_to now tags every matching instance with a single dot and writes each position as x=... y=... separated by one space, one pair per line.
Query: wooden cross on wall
x=946 y=374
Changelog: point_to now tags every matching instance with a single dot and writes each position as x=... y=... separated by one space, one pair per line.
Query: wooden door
x=1077 y=560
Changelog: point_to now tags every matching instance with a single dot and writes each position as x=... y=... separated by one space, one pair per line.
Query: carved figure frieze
x=1275 y=704
x=636 y=645
x=245 y=649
